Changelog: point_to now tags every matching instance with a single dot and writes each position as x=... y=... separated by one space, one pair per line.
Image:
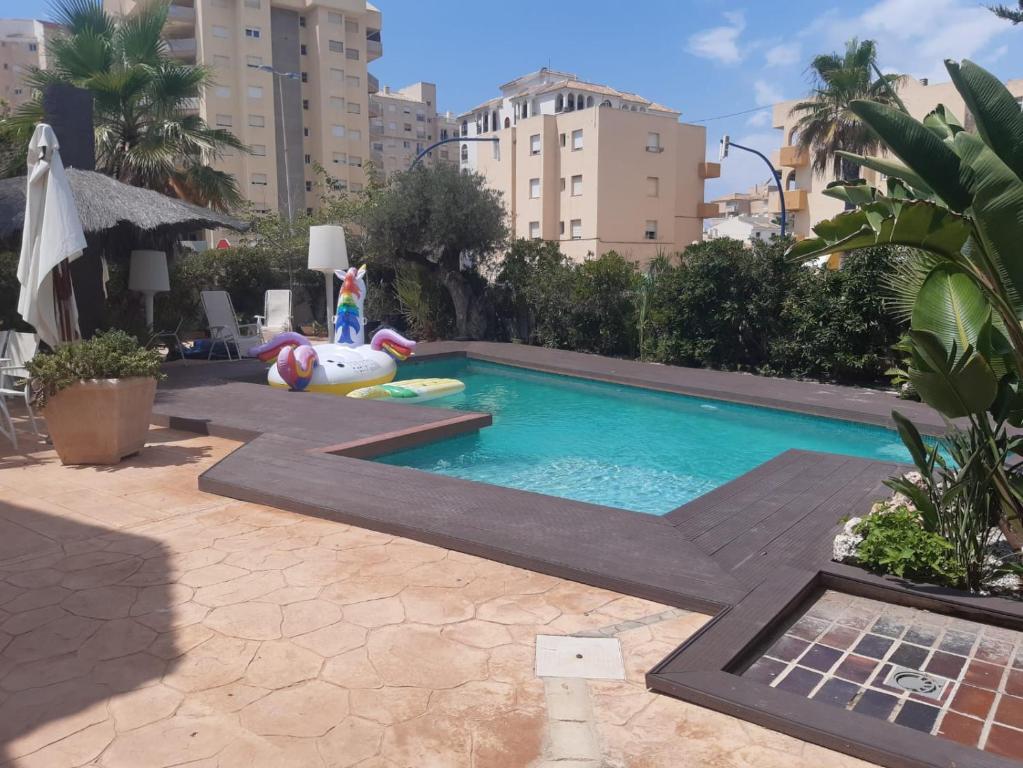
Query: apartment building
x=803 y=189
x=589 y=166
x=753 y=202
x=290 y=80
x=23 y=45
x=404 y=122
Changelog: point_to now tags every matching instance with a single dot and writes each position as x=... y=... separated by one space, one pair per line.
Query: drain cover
x=915 y=681
x=598 y=658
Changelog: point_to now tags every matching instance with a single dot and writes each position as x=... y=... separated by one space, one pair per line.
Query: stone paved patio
x=143 y=623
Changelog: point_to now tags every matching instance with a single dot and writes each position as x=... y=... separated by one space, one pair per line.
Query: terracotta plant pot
x=100 y=421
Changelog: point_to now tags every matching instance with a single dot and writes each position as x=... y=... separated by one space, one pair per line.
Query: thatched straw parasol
x=105 y=203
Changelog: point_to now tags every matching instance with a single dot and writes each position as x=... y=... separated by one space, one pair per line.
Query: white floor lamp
x=148 y=275
x=328 y=252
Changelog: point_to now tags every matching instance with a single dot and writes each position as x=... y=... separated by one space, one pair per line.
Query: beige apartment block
x=803 y=189
x=23 y=45
x=314 y=112
x=591 y=167
x=403 y=123
x=753 y=202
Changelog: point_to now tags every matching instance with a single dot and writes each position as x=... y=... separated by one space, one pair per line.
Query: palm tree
x=147 y=130
x=1015 y=15
x=825 y=122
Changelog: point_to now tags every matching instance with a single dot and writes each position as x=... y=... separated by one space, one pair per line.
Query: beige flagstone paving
x=143 y=623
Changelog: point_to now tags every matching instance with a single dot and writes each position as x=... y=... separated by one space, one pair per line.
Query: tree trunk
x=470 y=319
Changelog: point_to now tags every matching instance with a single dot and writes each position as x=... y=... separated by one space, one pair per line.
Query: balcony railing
x=793 y=157
x=710 y=170
x=374 y=50
x=183 y=48
x=795 y=200
x=180 y=14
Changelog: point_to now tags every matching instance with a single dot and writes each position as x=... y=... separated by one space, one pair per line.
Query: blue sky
x=703 y=57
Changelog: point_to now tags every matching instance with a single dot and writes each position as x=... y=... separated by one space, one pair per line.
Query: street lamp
x=726 y=143
x=429 y=149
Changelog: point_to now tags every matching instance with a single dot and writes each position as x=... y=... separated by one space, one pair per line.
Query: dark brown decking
x=750 y=551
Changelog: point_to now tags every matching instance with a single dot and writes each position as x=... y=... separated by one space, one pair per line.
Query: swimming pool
x=616 y=445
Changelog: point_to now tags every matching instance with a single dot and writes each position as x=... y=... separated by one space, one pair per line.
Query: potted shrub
x=96 y=396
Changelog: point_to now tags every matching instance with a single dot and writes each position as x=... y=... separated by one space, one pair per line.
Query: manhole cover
x=915 y=681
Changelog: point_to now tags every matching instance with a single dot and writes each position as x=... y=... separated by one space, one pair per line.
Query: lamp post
x=328 y=252
x=429 y=149
x=726 y=143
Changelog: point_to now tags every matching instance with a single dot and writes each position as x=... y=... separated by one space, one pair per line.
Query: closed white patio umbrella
x=51 y=239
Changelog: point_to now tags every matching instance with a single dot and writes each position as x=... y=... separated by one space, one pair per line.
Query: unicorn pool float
x=349 y=365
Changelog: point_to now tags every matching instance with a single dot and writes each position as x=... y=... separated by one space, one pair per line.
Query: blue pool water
x=614 y=445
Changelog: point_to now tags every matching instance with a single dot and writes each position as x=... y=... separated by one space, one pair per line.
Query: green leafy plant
x=894 y=542
x=110 y=355
x=956 y=198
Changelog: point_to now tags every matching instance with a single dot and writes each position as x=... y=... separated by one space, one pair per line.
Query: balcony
x=374 y=46
x=793 y=157
x=710 y=170
x=707 y=210
x=182 y=49
x=179 y=16
x=795 y=200
x=372 y=84
x=190 y=106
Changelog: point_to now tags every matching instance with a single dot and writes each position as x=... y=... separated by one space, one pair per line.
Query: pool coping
x=750 y=558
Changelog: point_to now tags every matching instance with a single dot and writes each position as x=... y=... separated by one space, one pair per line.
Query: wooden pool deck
x=749 y=551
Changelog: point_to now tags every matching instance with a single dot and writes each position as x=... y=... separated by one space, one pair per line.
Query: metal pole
x=774 y=174
x=284 y=137
x=425 y=152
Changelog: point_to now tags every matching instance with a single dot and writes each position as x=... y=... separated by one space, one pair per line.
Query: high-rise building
x=404 y=122
x=290 y=80
x=23 y=45
x=805 y=201
x=591 y=167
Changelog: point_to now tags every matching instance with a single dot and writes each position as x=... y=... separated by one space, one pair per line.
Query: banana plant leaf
x=995 y=110
x=954 y=384
x=892 y=168
x=952 y=306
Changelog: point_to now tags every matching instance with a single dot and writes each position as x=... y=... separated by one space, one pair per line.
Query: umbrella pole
x=63 y=293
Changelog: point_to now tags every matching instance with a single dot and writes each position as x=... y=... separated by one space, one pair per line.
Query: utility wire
x=732 y=114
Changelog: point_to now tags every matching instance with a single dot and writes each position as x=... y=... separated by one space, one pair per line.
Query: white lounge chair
x=16 y=349
x=276 y=317
x=224 y=326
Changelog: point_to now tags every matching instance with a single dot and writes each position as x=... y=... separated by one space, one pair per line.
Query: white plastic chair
x=276 y=317
x=224 y=327
x=16 y=349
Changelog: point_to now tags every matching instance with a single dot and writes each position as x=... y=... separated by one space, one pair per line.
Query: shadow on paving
x=85 y=614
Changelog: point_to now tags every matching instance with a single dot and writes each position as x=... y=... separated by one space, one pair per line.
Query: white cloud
x=783 y=55
x=721 y=43
x=759 y=119
x=765 y=93
x=913 y=36
x=741 y=170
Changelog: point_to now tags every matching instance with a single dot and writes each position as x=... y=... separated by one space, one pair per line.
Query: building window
x=561 y=228
x=420 y=116
x=335 y=18
x=255 y=92
x=351 y=26
x=253 y=33
x=407 y=127
x=465 y=153
x=308 y=159
x=340 y=158
x=219 y=31
x=534 y=144
x=336 y=102
x=378 y=146
x=33 y=47
x=254 y=61
x=305 y=103
x=576 y=228
x=258 y=179
x=258 y=150
x=650 y=231
x=338 y=75
x=305 y=132
x=559 y=103
x=653 y=186
x=355 y=161
x=561 y=138
x=392 y=126
x=653 y=142
x=534 y=188
x=218 y=61
x=305 y=77
x=354 y=107
x=257 y=121
x=252 y=3
x=302 y=49
x=308 y=186
x=336 y=46
x=352 y=53
x=577 y=140
x=301 y=21
x=337 y=130
x=577 y=186
x=534 y=230
x=353 y=81
x=223 y=92
x=355 y=134
x=224 y=121
x=589 y=101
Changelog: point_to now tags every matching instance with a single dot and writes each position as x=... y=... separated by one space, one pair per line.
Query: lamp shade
x=327 y=248
x=148 y=272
